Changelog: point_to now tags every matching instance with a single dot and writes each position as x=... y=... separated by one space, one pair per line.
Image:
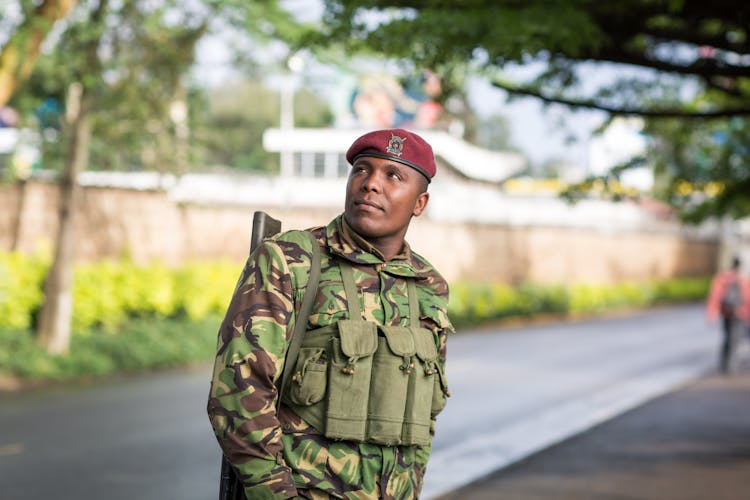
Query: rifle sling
x=300 y=325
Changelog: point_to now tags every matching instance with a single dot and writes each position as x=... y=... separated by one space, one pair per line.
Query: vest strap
x=300 y=326
x=350 y=290
x=411 y=288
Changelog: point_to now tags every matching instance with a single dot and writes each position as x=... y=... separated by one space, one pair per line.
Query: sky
x=542 y=133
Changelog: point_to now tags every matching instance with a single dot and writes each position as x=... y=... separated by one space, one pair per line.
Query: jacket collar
x=344 y=242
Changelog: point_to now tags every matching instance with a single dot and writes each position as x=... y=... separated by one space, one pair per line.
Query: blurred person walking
x=729 y=298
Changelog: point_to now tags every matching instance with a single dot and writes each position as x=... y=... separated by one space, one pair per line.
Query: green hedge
x=473 y=304
x=21 y=294
x=106 y=293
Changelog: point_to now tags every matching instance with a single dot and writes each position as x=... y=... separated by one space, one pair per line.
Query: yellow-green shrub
x=205 y=287
x=97 y=296
x=475 y=303
x=106 y=293
x=680 y=289
x=153 y=289
x=21 y=287
x=472 y=303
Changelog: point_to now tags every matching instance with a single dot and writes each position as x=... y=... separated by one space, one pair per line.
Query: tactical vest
x=360 y=381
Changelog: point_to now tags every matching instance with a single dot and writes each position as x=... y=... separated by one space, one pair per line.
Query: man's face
x=381 y=197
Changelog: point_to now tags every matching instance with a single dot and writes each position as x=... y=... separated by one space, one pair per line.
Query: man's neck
x=389 y=249
x=386 y=248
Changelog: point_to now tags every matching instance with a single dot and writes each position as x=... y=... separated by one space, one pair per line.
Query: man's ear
x=420 y=204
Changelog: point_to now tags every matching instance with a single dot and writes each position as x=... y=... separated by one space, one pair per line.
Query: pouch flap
x=425 y=344
x=400 y=339
x=358 y=338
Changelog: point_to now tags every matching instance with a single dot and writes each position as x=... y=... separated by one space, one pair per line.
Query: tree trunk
x=20 y=211
x=55 y=319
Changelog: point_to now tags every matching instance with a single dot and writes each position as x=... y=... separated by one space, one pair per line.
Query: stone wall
x=149 y=224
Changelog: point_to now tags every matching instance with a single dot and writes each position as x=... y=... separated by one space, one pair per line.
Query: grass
x=138 y=345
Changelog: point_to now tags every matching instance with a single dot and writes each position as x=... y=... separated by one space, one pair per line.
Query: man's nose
x=373 y=182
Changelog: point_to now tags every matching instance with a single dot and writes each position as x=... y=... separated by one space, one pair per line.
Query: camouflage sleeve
x=250 y=353
x=437 y=311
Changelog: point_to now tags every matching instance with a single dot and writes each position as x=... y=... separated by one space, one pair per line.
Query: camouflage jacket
x=279 y=454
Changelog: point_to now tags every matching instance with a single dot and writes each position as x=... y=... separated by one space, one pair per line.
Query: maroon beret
x=398 y=145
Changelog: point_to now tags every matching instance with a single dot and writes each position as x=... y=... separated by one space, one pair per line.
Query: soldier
x=357 y=417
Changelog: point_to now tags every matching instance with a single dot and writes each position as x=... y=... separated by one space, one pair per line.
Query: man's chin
x=364 y=225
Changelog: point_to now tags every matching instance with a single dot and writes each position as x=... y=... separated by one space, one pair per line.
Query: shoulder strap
x=300 y=324
x=411 y=288
x=350 y=290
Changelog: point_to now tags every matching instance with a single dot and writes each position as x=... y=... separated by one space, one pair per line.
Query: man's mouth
x=366 y=203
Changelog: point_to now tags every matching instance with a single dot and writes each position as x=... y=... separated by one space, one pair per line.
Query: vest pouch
x=417 y=417
x=392 y=364
x=441 y=393
x=308 y=383
x=349 y=371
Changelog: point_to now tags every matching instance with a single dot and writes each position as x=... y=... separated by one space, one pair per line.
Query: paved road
x=690 y=444
x=531 y=387
x=142 y=438
x=520 y=391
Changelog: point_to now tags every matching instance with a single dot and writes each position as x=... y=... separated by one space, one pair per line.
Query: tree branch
x=703 y=68
x=613 y=110
x=20 y=53
x=696 y=38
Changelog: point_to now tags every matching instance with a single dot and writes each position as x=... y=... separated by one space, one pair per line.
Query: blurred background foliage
x=106 y=293
x=148 y=113
x=229 y=122
x=682 y=66
x=130 y=317
x=140 y=345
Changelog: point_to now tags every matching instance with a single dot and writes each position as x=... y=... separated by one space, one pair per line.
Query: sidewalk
x=522 y=390
x=691 y=444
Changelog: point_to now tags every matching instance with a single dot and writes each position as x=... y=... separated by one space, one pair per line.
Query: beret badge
x=396 y=145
